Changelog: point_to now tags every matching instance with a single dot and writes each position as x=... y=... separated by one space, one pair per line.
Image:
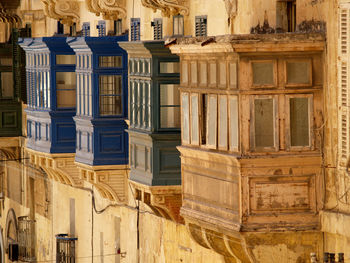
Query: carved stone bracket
x=109 y=9
x=165 y=201
x=110 y=181
x=30 y=16
x=59 y=167
x=168 y=7
x=67 y=11
x=233 y=248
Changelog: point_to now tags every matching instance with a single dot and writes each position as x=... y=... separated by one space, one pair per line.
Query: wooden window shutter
x=158 y=29
x=343 y=84
x=135 y=29
x=201 y=26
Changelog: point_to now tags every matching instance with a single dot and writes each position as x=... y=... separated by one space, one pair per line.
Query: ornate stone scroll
x=67 y=11
x=109 y=9
x=167 y=7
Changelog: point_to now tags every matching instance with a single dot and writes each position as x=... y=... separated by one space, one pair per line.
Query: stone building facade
x=176 y=131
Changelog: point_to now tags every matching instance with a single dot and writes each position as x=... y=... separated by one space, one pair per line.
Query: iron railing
x=65 y=247
x=26 y=239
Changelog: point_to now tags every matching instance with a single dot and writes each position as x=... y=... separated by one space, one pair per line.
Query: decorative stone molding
x=59 y=167
x=30 y=16
x=168 y=7
x=109 y=9
x=110 y=180
x=67 y=11
x=165 y=201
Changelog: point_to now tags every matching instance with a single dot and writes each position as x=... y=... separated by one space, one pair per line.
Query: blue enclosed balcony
x=102 y=93
x=51 y=94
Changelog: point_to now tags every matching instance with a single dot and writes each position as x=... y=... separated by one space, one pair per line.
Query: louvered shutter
x=158 y=29
x=101 y=28
x=86 y=29
x=343 y=84
x=135 y=29
x=201 y=26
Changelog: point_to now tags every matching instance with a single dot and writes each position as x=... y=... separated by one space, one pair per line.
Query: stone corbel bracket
x=165 y=201
x=59 y=167
x=110 y=180
x=66 y=11
x=109 y=9
x=234 y=248
x=168 y=7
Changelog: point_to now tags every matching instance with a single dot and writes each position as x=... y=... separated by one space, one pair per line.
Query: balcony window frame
x=110 y=95
x=275 y=118
x=160 y=106
x=297 y=85
x=274 y=71
x=289 y=146
x=181 y=29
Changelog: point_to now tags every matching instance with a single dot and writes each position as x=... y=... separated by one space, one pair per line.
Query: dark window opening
x=204 y=118
x=60 y=28
x=286 y=16
x=118 y=30
x=73 y=30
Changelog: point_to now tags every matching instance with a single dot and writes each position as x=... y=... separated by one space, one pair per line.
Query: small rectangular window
x=101 y=27
x=185 y=105
x=60 y=28
x=110 y=61
x=135 y=29
x=298 y=73
x=178 y=29
x=118 y=29
x=169 y=67
x=263 y=73
x=158 y=28
x=65 y=59
x=169 y=106
x=86 y=29
x=201 y=26
x=110 y=89
x=264 y=124
x=66 y=89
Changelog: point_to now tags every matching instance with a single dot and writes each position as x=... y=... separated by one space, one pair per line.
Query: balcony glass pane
x=169 y=106
x=110 y=95
x=299 y=121
x=110 y=61
x=66 y=89
x=169 y=67
x=263 y=122
x=298 y=72
x=6 y=61
x=65 y=59
x=6 y=84
x=263 y=73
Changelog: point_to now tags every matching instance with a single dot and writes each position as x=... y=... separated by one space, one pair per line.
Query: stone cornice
x=168 y=7
x=67 y=11
x=109 y=9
